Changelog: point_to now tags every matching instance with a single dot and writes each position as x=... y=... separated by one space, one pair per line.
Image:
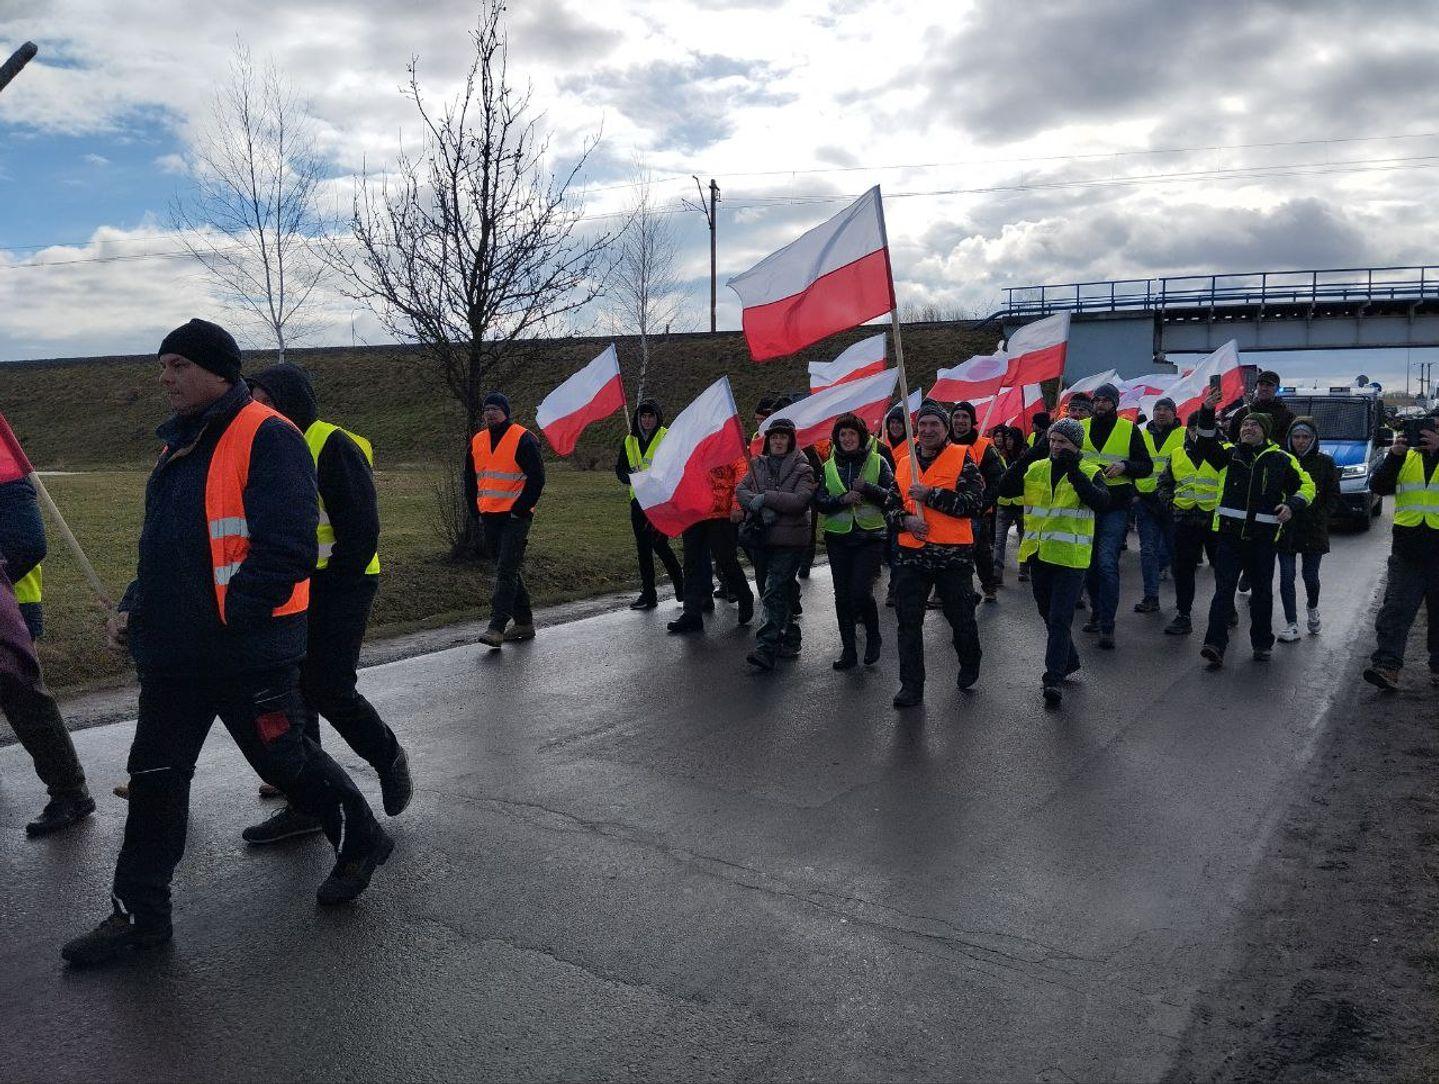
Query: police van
x=1352 y=432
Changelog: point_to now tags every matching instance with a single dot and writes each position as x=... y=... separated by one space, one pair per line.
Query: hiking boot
x=908 y=696
x=518 y=634
x=112 y=937
x=1314 y=622
x=396 y=786
x=122 y=791
x=872 y=642
x=645 y=602
x=1289 y=633
x=1106 y=641
x=848 y=659
x=1384 y=677
x=760 y=660
x=686 y=623
x=967 y=676
x=285 y=823
x=1213 y=655
x=492 y=638
x=1090 y=626
x=746 y=610
x=1262 y=654
x=351 y=876
x=1180 y=626
x=269 y=790
x=1053 y=694
x=1149 y=604
x=59 y=814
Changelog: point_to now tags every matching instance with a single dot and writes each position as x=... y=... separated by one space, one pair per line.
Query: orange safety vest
x=976 y=450
x=225 y=506
x=897 y=449
x=943 y=473
x=498 y=478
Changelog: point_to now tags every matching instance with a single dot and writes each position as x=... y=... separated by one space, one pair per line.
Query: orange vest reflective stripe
x=225 y=506
x=943 y=473
x=498 y=478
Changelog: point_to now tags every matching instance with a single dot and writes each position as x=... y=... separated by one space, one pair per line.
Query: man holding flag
x=637 y=452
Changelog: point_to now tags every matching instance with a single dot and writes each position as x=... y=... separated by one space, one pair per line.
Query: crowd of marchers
x=259 y=560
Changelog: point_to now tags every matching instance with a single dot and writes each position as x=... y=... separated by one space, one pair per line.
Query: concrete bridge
x=1128 y=324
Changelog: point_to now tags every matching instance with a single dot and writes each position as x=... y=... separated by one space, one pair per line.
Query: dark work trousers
x=1253 y=558
x=649 y=543
x=339 y=611
x=983 y=527
x=1308 y=567
x=711 y=542
x=854 y=561
x=912 y=587
x=1410 y=585
x=776 y=576
x=1006 y=516
x=1110 y=529
x=1056 y=590
x=807 y=561
x=506 y=537
x=263 y=712
x=1192 y=534
x=32 y=714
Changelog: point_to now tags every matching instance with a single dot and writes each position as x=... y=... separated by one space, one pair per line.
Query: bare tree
x=644 y=289
x=252 y=216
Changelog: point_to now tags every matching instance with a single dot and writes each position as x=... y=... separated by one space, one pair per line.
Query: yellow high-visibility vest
x=1058 y=526
x=1416 y=498
x=316 y=437
x=30 y=587
x=642 y=459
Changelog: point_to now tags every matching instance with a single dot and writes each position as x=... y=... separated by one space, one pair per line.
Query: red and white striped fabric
x=1012 y=406
x=1189 y=391
x=1036 y=351
x=980 y=376
x=835 y=277
x=13 y=463
x=676 y=491
x=915 y=401
x=1088 y=384
x=864 y=358
x=814 y=416
x=593 y=393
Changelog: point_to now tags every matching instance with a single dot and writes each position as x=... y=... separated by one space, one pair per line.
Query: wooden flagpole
x=899 y=357
x=72 y=542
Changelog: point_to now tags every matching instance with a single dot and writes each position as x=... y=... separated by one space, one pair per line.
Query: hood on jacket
x=1305 y=420
x=289 y=388
x=646 y=404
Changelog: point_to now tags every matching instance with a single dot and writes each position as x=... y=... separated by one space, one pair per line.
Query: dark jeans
x=1103 y=580
x=648 y=543
x=506 y=537
x=263 y=712
x=1309 y=563
x=339 y=611
x=912 y=587
x=1253 y=558
x=1410 y=585
x=33 y=716
x=854 y=567
x=1152 y=524
x=776 y=573
x=712 y=542
x=1056 y=590
x=1192 y=535
x=983 y=527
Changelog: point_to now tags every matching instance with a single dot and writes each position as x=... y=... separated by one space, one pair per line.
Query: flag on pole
x=1088 y=384
x=13 y=463
x=864 y=358
x=916 y=400
x=676 y=491
x=980 y=376
x=1036 y=351
x=835 y=277
x=593 y=393
x=1189 y=391
x=1011 y=406
x=814 y=416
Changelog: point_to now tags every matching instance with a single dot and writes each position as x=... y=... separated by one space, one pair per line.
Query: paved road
x=632 y=859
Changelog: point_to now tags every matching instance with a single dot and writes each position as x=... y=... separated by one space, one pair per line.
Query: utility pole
x=709 y=212
x=18 y=59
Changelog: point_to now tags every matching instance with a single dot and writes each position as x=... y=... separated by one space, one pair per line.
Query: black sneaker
x=351 y=876
x=1053 y=694
x=112 y=937
x=908 y=696
x=1383 y=677
x=285 y=823
x=1090 y=626
x=1180 y=626
x=760 y=661
x=396 y=786
x=1262 y=654
x=1212 y=655
x=59 y=814
x=644 y=602
x=848 y=659
x=687 y=623
x=968 y=675
x=1147 y=605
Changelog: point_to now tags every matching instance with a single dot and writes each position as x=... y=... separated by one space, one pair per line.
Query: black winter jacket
x=1137 y=464
x=1308 y=532
x=1256 y=481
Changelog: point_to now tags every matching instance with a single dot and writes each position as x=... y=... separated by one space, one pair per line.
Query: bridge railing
x=1330 y=285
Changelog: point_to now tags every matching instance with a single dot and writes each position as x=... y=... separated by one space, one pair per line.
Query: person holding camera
x=1410 y=472
x=1062 y=496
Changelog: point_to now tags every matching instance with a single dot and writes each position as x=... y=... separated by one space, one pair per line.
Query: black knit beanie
x=208 y=345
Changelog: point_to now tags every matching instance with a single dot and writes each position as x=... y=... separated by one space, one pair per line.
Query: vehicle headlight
x=1356 y=470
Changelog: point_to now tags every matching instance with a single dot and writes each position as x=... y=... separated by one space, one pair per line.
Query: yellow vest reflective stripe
x=1160 y=454
x=1196 y=485
x=642 y=460
x=870 y=517
x=1058 y=526
x=1115 y=450
x=1416 y=498
x=315 y=437
x=29 y=587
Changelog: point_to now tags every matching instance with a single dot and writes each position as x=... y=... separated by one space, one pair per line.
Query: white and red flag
x=864 y=358
x=814 y=415
x=835 y=277
x=980 y=376
x=1012 y=406
x=1189 y=391
x=916 y=400
x=593 y=393
x=13 y=463
x=1088 y=384
x=1036 y=351
x=676 y=492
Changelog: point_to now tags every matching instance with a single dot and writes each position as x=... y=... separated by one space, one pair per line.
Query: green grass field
x=581 y=546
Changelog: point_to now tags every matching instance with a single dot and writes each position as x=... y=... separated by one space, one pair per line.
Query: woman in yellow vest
x=1062 y=496
x=637 y=452
x=853 y=487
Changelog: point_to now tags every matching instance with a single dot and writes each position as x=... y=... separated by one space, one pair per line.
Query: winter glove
x=753 y=501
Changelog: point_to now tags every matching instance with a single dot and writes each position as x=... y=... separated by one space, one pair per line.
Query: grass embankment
x=581 y=545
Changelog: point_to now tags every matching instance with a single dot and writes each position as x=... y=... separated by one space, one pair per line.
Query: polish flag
x=915 y=401
x=835 y=277
x=13 y=463
x=977 y=378
x=676 y=491
x=1036 y=351
x=1188 y=392
x=1088 y=384
x=864 y=358
x=814 y=416
x=1012 y=406
x=593 y=393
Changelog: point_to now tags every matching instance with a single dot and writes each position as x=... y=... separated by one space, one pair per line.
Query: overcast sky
x=1048 y=142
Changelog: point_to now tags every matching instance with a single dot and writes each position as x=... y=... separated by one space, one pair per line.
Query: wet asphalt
x=630 y=858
